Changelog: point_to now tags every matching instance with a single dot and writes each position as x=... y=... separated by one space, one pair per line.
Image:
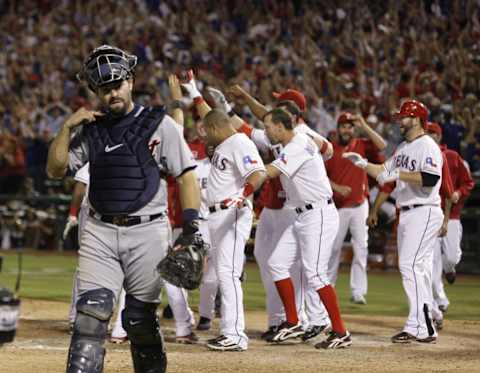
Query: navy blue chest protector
x=124 y=176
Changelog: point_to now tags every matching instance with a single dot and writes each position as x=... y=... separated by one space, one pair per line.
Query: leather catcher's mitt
x=183 y=265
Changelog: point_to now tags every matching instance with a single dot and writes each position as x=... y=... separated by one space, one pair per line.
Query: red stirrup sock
x=287 y=294
x=330 y=301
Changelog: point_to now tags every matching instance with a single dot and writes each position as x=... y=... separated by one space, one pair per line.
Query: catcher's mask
x=107 y=64
x=9 y=312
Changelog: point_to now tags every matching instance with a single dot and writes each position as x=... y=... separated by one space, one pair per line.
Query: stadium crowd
x=351 y=55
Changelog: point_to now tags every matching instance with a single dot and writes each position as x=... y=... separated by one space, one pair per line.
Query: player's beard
x=345 y=139
x=117 y=107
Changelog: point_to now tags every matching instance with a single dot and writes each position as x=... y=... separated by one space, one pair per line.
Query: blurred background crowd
x=357 y=55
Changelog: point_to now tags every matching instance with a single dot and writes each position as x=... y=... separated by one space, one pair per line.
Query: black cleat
x=403 y=337
x=167 y=312
x=313 y=332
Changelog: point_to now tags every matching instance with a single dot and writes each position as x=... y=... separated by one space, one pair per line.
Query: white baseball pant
x=417 y=233
x=229 y=232
x=355 y=219
x=209 y=285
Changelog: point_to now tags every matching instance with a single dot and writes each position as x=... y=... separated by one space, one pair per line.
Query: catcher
x=130 y=149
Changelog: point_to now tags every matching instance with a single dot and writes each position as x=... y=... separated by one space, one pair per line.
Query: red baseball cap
x=345 y=117
x=292 y=95
x=434 y=128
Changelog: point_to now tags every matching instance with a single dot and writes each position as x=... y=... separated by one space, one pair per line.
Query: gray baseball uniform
x=110 y=255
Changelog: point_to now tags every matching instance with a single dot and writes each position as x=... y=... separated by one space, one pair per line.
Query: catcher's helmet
x=414 y=109
x=107 y=64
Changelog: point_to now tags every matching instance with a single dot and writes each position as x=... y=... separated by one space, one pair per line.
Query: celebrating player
x=416 y=166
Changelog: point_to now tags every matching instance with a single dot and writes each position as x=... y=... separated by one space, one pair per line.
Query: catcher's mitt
x=183 y=265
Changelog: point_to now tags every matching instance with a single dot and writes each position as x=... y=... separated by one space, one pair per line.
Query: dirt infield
x=42 y=342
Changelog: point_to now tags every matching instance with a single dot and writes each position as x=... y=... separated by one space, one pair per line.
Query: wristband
x=176 y=104
x=198 y=100
x=324 y=147
x=248 y=189
x=73 y=211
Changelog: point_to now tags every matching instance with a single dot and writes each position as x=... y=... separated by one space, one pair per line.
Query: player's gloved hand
x=219 y=99
x=72 y=222
x=387 y=176
x=238 y=202
x=190 y=86
x=356 y=159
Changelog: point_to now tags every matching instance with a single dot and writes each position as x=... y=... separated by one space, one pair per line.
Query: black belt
x=411 y=207
x=309 y=206
x=218 y=207
x=125 y=220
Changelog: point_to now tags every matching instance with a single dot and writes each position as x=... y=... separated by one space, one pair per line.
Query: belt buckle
x=120 y=220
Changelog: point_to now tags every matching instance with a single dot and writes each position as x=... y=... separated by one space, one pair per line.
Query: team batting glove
x=72 y=222
x=356 y=159
x=219 y=99
x=387 y=176
x=191 y=87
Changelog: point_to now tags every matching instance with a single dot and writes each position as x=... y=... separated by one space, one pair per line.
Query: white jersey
x=303 y=177
x=234 y=160
x=260 y=139
x=203 y=171
x=419 y=155
x=83 y=176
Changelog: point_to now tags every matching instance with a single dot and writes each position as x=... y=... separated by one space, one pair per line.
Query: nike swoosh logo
x=109 y=149
x=92 y=302
x=133 y=323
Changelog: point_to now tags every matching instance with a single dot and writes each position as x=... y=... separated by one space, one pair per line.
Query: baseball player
x=350 y=187
x=303 y=177
x=416 y=167
x=274 y=219
x=130 y=148
x=237 y=171
x=448 y=252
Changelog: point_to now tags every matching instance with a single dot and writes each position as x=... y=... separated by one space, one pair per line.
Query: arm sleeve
x=428 y=179
x=83 y=174
x=290 y=160
x=464 y=178
x=78 y=150
x=247 y=158
x=174 y=151
x=446 y=189
x=260 y=139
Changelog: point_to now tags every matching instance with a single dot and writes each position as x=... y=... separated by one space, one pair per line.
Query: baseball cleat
x=430 y=339
x=269 y=333
x=358 y=299
x=224 y=343
x=204 y=323
x=314 y=331
x=451 y=277
x=287 y=331
x=189 y=339
x=335 y=341
x=118 y=340
x=403 y=337
x=167 y=312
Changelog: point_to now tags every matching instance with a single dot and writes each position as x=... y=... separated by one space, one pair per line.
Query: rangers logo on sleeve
x=429 y=161
x=247 y=160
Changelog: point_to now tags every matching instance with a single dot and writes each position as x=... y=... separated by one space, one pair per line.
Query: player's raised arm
x=58 y=157
x=257 y=108
x=361 y=124
x=176 y=95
